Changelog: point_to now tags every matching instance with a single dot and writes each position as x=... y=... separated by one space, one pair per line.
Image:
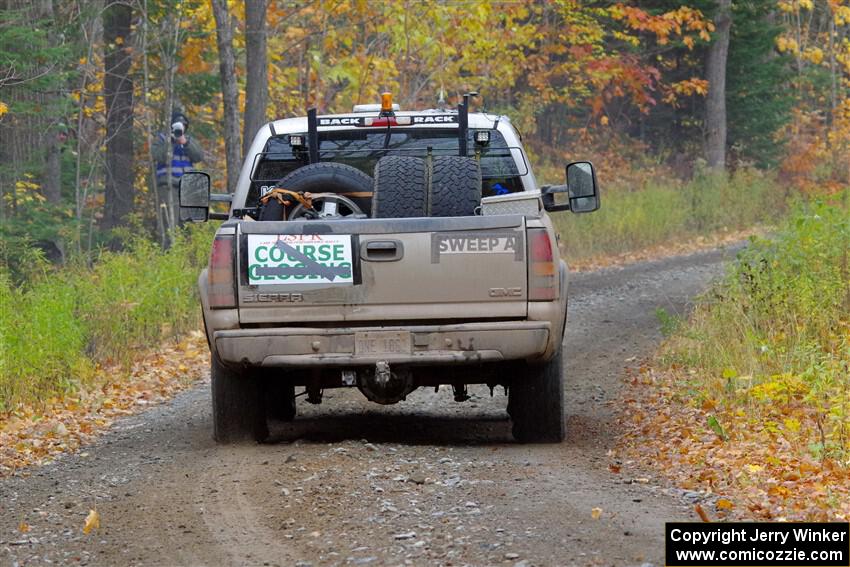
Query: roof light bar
x=373 y=107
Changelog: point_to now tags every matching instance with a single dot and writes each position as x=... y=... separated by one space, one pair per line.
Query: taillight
x=542 y=272
x=222 y=292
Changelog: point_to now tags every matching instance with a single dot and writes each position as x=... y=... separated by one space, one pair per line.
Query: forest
x=668 y=89
x=707 y=120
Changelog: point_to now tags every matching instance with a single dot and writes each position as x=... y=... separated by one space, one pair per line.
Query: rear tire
x=238 y=408
x=536 y=403
x=455 y=187
x=401 y=188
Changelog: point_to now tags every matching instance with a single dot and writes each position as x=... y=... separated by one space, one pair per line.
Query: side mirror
x=582 y=187
x=194 y=196
x=579 y=195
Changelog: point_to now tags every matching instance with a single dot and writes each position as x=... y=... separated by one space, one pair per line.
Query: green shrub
x=41 y=339
x=60 y=322
x=658 y=213
x=774 y=336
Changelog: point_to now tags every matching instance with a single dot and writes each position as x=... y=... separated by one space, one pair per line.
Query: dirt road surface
x=425 y=482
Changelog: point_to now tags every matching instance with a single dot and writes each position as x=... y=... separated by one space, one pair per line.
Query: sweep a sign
x=300 y=259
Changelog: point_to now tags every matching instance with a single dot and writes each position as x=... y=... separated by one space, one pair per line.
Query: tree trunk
x=229 y=93
x=51 y=183
x=168 y=207
x=715 y=105
x=118 y=95
x=257 y=84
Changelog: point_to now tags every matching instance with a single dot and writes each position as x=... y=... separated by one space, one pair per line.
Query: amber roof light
x=387 y=102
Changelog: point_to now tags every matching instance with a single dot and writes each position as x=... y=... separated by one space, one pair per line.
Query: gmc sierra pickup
x=386 y=250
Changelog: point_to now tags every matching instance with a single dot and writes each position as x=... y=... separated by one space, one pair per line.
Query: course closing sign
x=300 y=259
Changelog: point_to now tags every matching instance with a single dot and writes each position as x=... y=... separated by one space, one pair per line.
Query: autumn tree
x=52 y=177
x=256 y=84
x=715 y=69
x=118 y=94
x=229 y=90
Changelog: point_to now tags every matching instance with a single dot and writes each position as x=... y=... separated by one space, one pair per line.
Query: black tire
x=401 y=188
x=455 y=187
x=325 y=177
x=536 y=403
x=238 y=408
x=280 y=398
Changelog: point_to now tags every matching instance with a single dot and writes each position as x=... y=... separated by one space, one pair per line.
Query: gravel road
x=426 y=482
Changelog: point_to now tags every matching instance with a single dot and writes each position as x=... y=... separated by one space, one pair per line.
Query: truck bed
x=349 y=271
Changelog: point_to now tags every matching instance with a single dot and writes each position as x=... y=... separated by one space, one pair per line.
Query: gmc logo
x=505 y=292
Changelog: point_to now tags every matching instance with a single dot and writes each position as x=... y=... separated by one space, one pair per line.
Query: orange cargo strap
x=285 y=197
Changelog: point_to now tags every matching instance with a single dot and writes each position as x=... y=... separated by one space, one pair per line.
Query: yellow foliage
x=814 y=54
x=784 y=44
x=792 y=424
x=842 y=15
x=692 y=86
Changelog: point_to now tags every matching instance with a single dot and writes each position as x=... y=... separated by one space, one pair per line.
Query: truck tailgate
x=465 y=268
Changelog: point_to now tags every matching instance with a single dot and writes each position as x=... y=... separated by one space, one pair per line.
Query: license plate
x=382 y=342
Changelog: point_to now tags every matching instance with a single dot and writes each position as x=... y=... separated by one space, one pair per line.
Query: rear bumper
x=468 y=343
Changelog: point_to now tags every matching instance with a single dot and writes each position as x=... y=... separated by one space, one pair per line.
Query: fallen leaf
x=92 y=521
x=596 y=513
x=614 y=468
x=701 y=513
x=725 y=504
x=24 y=527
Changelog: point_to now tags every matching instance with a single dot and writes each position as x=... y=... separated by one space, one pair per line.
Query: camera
x=177 y=130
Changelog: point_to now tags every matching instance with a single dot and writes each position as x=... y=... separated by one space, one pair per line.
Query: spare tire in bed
x=455 y=187
x=401 y=187
x=324 y=177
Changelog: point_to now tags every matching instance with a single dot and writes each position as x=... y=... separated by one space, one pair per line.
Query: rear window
x=363 y=148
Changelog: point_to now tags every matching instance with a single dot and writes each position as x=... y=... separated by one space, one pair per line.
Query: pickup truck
x=387 y=251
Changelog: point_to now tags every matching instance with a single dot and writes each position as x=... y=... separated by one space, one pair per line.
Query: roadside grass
x=751 y=396
x=668 y=211
x=59 y=324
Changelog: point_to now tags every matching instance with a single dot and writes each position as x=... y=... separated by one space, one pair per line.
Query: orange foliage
x=818 y=156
